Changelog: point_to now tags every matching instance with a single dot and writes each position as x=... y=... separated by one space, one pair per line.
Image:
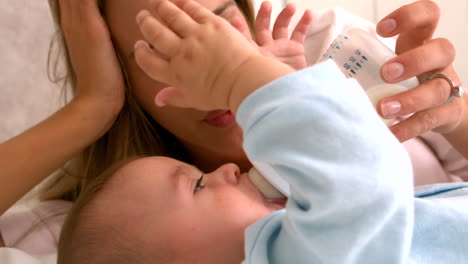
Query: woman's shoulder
x=34 y=229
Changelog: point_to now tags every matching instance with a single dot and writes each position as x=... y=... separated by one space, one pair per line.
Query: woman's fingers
x=427 y=95
x=435 y=55
x=91 y=53
x=422 y=56
x=431 y=119
x=85 y=16
x=415 y=23
x=83 y=27
x=300 y=32
x=65 y=14
x=157 y=34
x=262 y=24
x=281 y=26
x=89 y=9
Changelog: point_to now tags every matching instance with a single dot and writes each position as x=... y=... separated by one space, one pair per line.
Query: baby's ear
x=171 y=96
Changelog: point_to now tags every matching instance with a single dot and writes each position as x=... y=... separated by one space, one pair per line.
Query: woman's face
x=205 y=134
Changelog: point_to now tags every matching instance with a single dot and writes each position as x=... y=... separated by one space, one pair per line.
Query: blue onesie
x=351 y=184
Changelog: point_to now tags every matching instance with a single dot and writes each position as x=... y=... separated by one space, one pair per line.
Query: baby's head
x=160 y=210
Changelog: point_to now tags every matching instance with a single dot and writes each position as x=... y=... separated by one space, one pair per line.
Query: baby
x=157 y=208
x=348 y=202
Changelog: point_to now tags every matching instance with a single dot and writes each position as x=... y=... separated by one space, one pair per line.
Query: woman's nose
x=228 y=173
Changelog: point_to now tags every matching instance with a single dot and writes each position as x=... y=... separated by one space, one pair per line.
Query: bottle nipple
x=264 y=186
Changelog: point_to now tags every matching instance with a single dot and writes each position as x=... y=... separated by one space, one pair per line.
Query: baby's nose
x=228 y=172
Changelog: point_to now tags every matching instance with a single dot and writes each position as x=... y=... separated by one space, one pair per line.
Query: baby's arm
x=350 y=179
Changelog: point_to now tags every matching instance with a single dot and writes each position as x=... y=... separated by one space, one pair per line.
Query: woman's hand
x=422 y=56
x=2 y=244
x=99 y=98
x=276 y=43
x=94 y=60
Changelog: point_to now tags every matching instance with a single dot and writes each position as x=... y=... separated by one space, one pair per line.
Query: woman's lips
x=220 y=118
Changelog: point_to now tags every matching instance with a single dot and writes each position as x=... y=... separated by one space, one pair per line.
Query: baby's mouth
x=264 y=186
x=277 y=203
x=268 y=191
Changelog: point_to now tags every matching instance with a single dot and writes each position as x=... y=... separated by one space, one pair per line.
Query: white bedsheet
x=16 y=256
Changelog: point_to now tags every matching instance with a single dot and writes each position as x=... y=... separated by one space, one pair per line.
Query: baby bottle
x=360 y=55
x=264 y=186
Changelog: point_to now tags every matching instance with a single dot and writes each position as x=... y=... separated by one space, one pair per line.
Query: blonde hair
x=88 y=238
x=133 y=133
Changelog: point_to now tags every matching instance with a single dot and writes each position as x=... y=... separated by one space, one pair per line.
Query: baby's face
x=199 y=219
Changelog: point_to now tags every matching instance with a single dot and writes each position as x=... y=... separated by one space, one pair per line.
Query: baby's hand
x=201 y=54
x=276 y=43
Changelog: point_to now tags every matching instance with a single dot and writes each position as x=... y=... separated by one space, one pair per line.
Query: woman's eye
x=229 y=13
x=199 y=186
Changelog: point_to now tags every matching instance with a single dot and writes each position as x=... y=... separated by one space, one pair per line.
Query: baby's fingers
x=280 y=29
x=262 y=24
x=170 y=96
x=300 y=32
x=157 y=34
x=180 y=22
x=193 y=14
x=151 y=63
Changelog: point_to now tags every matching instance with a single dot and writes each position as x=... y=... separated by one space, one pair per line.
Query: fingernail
x=393 y=71
x=387 y=26
x=390 y=108
x=141 y=15
x=158 y=101
x=140 y=44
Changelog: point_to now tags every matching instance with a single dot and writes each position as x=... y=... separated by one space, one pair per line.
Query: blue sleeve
x=350 y=179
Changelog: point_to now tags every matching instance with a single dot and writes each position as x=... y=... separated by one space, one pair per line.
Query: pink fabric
x=453 y=163
x=426 y=167
x=435 y=160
